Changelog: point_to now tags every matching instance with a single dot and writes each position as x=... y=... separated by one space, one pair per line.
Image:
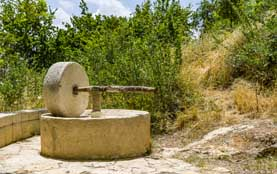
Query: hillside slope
x=232 y=125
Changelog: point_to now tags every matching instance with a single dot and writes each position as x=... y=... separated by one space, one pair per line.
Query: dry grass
x=205 y=67
x=204 y=63
x=196 y=51
x=262 y=165
x=245 y=99
x=197 y=161
x=205 y=60
x=199 y=120
x=218 y=72
x=273 y=102
x=248 y=98
x=194 y=55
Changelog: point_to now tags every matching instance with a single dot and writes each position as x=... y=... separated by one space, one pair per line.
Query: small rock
x=271 y=150
x=85 y=172
x=170 y=152
x=22 y=171
x=221 y=170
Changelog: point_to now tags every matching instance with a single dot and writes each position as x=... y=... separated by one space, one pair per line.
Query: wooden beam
x=116 y=89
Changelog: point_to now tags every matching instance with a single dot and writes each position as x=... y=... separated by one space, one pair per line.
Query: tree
x=213 y=14
x=26 y=29
x=204 y=17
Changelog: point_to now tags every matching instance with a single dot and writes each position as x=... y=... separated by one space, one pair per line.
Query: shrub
x=12 y=85
x=256 y=60
x=20 y=87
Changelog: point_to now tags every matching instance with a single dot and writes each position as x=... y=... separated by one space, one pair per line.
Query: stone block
x=16 y=127
x=6 y=119
x=27 y=115
x=19 y=125
x=6 y=136
x=6 y=128
x=29 y=128
x=34 y=114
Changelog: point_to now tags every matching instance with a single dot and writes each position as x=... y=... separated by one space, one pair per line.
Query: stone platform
x=24 y=158
x=111 y=134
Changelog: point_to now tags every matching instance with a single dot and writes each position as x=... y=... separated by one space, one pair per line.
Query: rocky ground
x=24 y=158
x=247 y=147
x=244 y=145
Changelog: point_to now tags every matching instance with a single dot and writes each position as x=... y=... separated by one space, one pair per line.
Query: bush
x=256 y=60
x=20 y=87
x=144 y=49
x=12 y=85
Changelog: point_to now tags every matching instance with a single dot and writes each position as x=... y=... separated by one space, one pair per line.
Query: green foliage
x=26 y=34
x=20 y=87
x=226 y=14
x=144 y=49
x=219 y=14
x=12 y=84
x=257 y=59
x=26 y=29
x=203 y=17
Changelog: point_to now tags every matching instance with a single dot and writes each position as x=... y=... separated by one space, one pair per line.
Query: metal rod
x=115 y=89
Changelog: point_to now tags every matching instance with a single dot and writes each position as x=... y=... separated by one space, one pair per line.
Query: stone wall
x=19 y=125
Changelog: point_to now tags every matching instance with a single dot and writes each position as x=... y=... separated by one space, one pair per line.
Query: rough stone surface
x=268 y=151
x=248 y=147
x=19 y=125
x=6 y=119
x=115 y=133
x=252 y=139
x=23 y=157
x=58 y=89
x=6 y=135
x=6 y=128
x=30 y=115
x=220 y=133
x=221 y=170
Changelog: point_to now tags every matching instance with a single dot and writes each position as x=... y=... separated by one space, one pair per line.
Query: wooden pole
x=96 y=92
x=96 y=101
x=115 y=89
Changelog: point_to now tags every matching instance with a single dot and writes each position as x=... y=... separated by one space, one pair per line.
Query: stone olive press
x=71 y=132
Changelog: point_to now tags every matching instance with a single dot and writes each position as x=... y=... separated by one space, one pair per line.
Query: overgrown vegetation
x=237 y=43
x=251 y=54
x=155 y=46
x=144 y=49
x=256 y=60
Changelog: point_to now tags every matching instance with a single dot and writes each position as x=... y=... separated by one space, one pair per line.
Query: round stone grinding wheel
x=58 y=89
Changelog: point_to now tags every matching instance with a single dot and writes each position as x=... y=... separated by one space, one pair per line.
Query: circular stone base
x=111 y=134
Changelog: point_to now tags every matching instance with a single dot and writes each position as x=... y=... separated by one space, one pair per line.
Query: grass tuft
x=219 y=73
x=249 y=98
x=199 y=119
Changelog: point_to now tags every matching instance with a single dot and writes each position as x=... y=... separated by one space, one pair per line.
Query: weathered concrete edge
x=19 y=125
x=96 y=139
